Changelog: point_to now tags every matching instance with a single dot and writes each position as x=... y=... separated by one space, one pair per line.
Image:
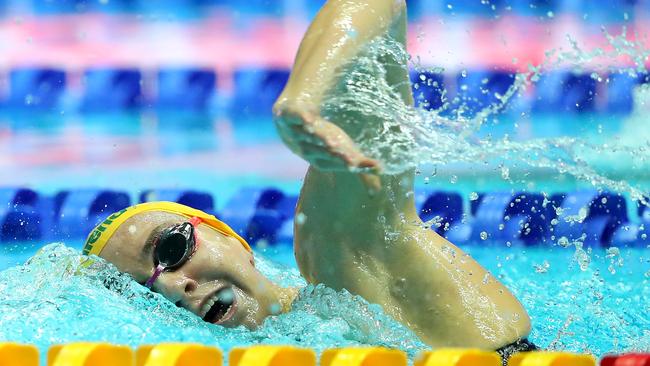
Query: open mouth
x=221 y=307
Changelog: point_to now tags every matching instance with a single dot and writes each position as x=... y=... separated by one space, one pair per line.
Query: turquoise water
x=580 y=301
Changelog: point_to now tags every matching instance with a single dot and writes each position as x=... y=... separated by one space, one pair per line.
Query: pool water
x=593 y=301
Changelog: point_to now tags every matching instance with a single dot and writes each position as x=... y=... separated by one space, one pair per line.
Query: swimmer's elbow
x=290 y=107
x=281 y=107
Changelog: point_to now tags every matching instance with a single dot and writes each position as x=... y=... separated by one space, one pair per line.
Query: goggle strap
x=156 y=273
x=195 y=221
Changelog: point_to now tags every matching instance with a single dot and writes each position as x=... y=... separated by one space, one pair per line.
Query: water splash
x=386 y=127
x=376 y=115
x=64 y=302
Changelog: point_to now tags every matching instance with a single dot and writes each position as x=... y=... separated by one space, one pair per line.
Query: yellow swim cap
x=98 y=238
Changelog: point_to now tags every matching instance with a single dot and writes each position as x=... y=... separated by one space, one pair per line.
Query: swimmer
x=357 y=231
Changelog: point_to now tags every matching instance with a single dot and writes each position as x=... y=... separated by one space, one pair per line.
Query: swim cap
x=98 y=238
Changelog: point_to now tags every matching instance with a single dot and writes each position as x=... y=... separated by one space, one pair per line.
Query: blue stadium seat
x=415 y=9
x=620 y=93
x=473 y=8
x=285 y=234
x=171 y=9
x=60 y=6
x=532 y=7
x=256 y=90
x=287 y=208
x=644 y=212
x=601 y=13
x=579 y=93
x=446 y=206
x=643 y=237
x=253 y=213
x=478 y=90
x=185 y=89
x=38 y=89
x=77 y=212
x=560 y=92
x=313 y=6
x=112 y=90
x=628 y=234
x=20 y=216
x=604 y=214
x=199 y=200
x=83 y=6
x=254 y=7
x=428 y=89
x=518 y=218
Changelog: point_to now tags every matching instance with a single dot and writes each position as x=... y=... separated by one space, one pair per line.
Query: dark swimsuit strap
x=522 y=345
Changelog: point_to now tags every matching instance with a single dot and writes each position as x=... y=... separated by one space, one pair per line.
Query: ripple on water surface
x=51 y=299
x=575 y=306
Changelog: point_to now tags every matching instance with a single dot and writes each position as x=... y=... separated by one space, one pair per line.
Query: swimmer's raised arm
x=336 y=36
x=333 y=39
x=376 y=246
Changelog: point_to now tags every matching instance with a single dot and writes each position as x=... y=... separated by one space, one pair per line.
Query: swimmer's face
x=219 y=265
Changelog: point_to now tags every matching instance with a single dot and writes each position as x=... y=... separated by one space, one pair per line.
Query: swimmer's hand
x=324 y=144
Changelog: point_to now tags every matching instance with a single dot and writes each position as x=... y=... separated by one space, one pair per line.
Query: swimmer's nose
x=178 y=288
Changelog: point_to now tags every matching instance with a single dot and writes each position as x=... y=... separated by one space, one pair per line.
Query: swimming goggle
x=174 y=247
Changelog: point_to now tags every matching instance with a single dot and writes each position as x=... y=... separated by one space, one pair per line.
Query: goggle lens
x=176 y=244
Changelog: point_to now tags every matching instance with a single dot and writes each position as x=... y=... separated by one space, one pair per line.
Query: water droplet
x=582 y=214
x=275 y=308
x=563 y=241
x=301 y=218
x=515 y=317
x=473 y=196
x=484 y=235
x=226 y=295
x=505 y=173
x=453 y=179
x=542 y=268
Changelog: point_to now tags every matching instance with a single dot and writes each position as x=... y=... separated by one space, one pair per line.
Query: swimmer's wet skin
x=374 y=244
x=361 y=230
x=193 y=259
